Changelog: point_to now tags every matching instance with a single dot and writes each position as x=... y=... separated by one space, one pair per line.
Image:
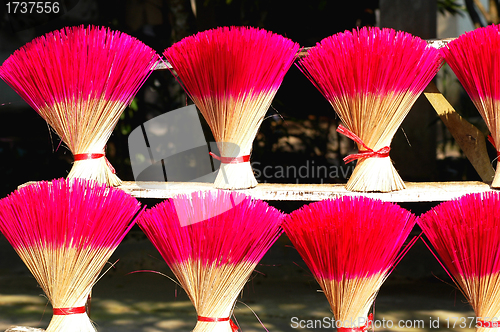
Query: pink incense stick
x=232 y=74
x=80 y=80
x=351 y=245
x=371 y=77
x=465 y=233
x=65 y=231
x=213 y=257
x=474 y=58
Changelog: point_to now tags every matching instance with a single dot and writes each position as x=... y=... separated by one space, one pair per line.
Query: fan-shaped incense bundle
x=351 y=245
x=65 y=231
x=371 y=77
x=475 y=58
x=212 y=241
x=80 y=80
x=466 y=236
x=232 y=75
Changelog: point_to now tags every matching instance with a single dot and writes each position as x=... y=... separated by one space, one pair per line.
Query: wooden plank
x=415 y=191
x=162 y=65
x=438 y=43
x=469 y=138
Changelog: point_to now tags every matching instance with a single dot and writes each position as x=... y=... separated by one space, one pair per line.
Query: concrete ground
x=283 y=289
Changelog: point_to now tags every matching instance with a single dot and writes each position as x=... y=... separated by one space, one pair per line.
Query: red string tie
x=490 y=324
x=68 y=311
x=492 y=141
x=234 y=327
x=363 y=328
x=231 y=160
x=88 y=156
x=367 y=153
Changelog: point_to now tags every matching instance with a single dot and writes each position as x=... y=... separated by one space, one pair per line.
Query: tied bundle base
x=74 y=323
x=375 y=175
x=235 y=176
x=94 y=169
x=213 y=327
x=235 y=169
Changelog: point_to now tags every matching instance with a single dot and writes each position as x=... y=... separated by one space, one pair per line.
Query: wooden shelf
x=415 y=191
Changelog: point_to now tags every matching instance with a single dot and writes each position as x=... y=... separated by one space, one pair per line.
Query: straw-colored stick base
x=94 y=169
x=235 y=176
x=487 y=329
x=482 y=293
x=351 y=299
x=212 y=327
x=375 y=175
x=212 y=289
x=496 y=180
x=71 y=323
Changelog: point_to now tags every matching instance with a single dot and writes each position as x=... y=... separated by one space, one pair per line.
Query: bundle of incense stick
x=212 y=241
x=80 y=80
x=232 y=75
x=466 y=236
x=65 y=231
x=474 y=58
x=351 y=245
x=371 y=77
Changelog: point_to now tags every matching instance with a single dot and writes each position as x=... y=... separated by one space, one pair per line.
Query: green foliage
x=450 y=6
x=127 y=116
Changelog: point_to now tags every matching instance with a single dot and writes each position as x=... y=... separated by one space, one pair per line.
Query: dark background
x=300 y=128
